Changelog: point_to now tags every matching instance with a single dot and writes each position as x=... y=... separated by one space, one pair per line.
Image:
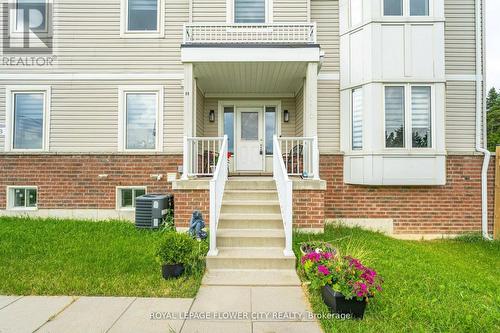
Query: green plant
x=175 y=248
x=169 y=225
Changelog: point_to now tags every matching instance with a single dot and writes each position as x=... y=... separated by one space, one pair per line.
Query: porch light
x=286 y=116
x=211 y=116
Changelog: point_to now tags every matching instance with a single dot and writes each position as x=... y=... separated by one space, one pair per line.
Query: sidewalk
x=252 y=309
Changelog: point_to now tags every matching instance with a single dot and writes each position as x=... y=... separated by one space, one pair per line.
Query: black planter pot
x=337 y=303
x=172 y=271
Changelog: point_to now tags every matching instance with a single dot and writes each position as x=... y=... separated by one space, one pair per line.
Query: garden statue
x=196 y=225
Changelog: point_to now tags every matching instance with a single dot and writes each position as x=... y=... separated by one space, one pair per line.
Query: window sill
x=152 y=35
x=22 y=209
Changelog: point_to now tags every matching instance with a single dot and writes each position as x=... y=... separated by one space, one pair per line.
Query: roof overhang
x=193 y=53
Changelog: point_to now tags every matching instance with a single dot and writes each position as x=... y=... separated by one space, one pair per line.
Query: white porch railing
x=300 y=156
x=217 y=185
x=241 y=33
x=285 y=194
x=201 y=155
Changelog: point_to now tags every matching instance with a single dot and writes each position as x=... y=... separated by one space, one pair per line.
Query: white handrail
x=268 y=33
x=300 y=156
x=217 y=185
x=200 y=155
x=285 y=194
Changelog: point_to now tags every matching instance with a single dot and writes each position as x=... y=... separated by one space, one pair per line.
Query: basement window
x=126 y=196
x=25 y=197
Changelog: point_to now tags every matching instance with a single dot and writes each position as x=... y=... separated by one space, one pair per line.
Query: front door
x=249 y=140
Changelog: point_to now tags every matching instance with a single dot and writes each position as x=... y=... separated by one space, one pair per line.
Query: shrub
x=180 y=248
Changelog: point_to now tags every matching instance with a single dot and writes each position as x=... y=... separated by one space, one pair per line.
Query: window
x=413 y=103
x=249 y=11
x=356 y=12
x=357 y=119
x=270 y=128
x=126 y=196
x=31 y=15
x=393 y=7
x=421 y=116
x=229 y=127
x=141 y=119
x=22 y=197
x=27 y=120
x=394 y=117
x=142 y=18
x=249 y=126
x=419 y=7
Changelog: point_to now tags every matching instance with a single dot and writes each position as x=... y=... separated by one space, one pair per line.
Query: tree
x=493 y=118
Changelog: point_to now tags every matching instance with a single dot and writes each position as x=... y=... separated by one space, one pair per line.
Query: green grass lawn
x=69 y=257
x=433 y=286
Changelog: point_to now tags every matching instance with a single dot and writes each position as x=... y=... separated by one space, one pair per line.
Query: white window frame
x=406 y=10
x=125 y=33
x=47 y=32
x=230 y=17
x=10 y=91
x=119 y=196
x=122 y=119
x=10 y=197
x=407 y=118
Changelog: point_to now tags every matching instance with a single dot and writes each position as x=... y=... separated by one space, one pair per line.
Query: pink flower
x=323 y=269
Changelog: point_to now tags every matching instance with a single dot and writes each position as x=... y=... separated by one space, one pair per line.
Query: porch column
x=189 y=95
x=189 y=115
x=311 y=100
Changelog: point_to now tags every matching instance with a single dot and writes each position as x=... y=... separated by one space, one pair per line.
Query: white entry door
x=249 y=140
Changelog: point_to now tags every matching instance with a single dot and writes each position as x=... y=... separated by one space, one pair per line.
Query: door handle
x=260 y=149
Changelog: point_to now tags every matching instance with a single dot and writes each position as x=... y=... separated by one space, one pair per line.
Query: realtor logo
x=27 y=28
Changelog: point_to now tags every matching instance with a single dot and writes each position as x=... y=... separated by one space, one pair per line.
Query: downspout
x=480 y=118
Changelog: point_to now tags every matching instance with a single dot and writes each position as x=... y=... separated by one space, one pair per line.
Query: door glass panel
x=249 y=126
x=229 y=127
x=270 y=128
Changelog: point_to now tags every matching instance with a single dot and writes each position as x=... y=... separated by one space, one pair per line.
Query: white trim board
x=250 y=54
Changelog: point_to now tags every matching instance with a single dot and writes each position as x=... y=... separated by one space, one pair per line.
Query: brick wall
x=72 y=182
x=452 y=208
x=308 y=209
x=188 y=200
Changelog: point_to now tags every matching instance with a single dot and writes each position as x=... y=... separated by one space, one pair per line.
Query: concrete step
x=250 y=258
x=250 y=195
x=250 y=238
x=246 y=222
x=251 y=183
x=250 y=207
x=251 y=277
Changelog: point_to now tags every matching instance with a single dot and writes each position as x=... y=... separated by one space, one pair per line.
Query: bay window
x=393 y=7
x=419 y=7
x=421 y=116
x=394 y=117
x=406 y=7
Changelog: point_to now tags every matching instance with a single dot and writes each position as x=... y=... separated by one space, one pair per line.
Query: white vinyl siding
x=460 y=38
x=357 y=119
x=328 y=116
x=209 y=11
x=460 y=116
x=290 y=11
x=299 y=112
x=326 y=15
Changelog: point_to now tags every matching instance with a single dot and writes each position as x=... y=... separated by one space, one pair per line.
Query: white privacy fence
x=284 y=187
x=300 y=156
x=207 y=33
x=201 y=155
x=217 y=185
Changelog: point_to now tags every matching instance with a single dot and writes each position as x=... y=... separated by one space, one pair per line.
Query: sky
x=493 y=43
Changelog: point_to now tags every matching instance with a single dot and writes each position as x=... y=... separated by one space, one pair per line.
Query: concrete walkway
x=215 y=309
